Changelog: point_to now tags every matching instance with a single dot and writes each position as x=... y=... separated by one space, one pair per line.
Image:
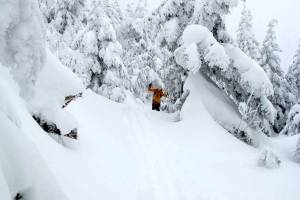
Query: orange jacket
x=157 y=94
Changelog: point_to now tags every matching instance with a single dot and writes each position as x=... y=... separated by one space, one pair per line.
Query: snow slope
x=126 y=151
x=22 y=167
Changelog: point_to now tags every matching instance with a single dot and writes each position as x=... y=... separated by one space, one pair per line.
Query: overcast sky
x=287 y=12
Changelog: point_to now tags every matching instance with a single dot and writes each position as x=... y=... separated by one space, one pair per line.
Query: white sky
x=287 y=12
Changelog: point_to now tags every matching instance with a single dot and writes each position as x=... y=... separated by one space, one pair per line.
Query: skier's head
x=156 y=83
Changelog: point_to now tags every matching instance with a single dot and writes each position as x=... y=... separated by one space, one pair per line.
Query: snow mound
x=269 y=159
x=22 y=168
x=54 y=83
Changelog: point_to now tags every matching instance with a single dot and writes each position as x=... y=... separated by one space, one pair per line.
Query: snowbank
x=54 y=83
x=22 y=169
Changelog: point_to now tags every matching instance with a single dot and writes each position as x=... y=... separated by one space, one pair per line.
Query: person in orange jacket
x=158 y=93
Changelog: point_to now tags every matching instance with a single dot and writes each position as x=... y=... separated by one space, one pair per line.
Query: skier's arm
x=165 y=94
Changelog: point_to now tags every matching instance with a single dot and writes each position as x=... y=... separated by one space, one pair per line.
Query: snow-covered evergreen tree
x=133 y=12
x=83 y=35
x=98 y=42
x=158 y=36
x=282 y=98
x=64 y=16
x=110 y=8
x=293 y=75
x=22 y=46
x=141 y=9
x=245 y=37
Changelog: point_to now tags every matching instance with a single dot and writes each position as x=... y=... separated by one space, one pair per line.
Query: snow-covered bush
x=292 y=126
x=269 y=159
x=297 y=152
x=22 y=46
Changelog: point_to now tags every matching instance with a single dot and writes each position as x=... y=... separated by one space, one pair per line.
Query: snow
x=22 y=43
x=197 y=34
x=22 y=168
x=188 y=57
x=172 y=30
x=292 y=126
x=7 y=106
x=90 y=43
x=269 y=159
x=126 y=151
x=59 y=82
x=252 y=74
x=216 y=56
x=213 y=52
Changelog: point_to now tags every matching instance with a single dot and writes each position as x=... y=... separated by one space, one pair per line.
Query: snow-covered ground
x=126 y=151
x=130 y=152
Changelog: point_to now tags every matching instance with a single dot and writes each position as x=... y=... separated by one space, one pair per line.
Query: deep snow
x=126 y=151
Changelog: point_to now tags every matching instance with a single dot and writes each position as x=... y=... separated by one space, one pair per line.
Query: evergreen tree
x=84 y=38
x=293 y=75
x=105 y=69
x=22 y=45
x=245 y=37
x=156 y=38
x=64 y=16
x=141 y=9
x=282 y=98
